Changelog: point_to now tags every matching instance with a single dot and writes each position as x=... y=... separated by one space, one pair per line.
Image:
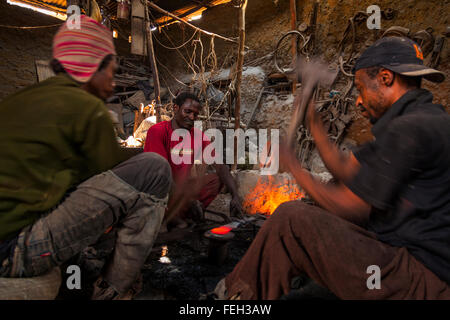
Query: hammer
x=312 y=73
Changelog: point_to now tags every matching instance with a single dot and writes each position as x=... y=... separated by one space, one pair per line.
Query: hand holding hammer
x=312 y=73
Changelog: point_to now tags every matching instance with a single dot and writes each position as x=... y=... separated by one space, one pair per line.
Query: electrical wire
x=178 y=47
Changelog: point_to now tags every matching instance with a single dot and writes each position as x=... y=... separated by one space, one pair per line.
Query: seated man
x=64 y=181
x=388 y=220
x=187 y=187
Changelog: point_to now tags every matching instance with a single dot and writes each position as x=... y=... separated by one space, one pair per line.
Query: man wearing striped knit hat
x=65 y=184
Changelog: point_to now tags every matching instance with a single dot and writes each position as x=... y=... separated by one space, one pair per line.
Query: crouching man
x=189 y=188
x=64 y=181
x=387 y=220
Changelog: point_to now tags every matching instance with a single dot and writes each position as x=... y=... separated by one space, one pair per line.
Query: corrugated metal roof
x=186 y=9
x=183 y=9
x=56 y=3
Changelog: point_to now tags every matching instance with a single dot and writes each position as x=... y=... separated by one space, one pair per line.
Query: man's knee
x=293 y=212
x=154 y=163
x=157 y=170
x=147 y=172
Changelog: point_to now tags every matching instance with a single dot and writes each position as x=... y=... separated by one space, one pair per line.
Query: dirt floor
x=190 y=275
x=186 y=272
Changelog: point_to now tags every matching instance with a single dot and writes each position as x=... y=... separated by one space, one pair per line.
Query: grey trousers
x=131 y=197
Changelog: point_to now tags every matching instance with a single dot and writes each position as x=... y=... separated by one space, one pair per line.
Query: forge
x=269 y=192
x=262 y=194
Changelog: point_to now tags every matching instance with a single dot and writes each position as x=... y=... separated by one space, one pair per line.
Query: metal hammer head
x=314 y=73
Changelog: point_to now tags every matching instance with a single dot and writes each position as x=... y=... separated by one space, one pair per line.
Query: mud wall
x=19 y=48
x=268 y=20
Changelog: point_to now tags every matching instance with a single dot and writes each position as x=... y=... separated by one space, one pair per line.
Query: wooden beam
x=313 y=26
x=138 y=44
x=154 y=6
x=239 y=64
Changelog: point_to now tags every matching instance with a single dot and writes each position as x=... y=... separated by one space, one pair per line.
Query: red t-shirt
x=159 y=140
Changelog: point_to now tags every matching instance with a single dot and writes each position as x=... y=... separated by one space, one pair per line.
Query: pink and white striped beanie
x=80 y=51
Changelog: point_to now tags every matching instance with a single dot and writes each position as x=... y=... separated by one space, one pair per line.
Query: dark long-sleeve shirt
x=405 y=176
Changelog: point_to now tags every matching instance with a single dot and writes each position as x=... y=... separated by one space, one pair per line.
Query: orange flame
x=267 y=196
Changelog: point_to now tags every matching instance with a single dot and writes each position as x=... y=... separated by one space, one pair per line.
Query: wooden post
x=138 y=25
x=293 y=7
x=313 y=26
x=151 y=55
x=239 y=64
x=137 y=120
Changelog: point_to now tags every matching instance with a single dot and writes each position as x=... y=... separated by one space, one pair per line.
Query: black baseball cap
x=400 y=55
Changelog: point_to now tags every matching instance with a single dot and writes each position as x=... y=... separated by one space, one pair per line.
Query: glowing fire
x=268 y=195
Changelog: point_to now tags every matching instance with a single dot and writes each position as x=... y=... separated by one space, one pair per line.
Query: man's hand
x=182 y=195
x=315 y=123
x=236 y=207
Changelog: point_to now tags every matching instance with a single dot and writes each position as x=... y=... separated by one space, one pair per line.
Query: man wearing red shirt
x=188 y=188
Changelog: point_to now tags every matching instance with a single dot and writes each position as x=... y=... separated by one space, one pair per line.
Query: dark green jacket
x=53 y=135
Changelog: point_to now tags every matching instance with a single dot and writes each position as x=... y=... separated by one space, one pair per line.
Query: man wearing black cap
x=383 y=231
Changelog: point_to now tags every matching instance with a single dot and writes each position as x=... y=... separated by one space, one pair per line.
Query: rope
x=167 y=69
x=197 y=63
x=167 y=36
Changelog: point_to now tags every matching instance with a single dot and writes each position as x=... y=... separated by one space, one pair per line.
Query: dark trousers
x=299 y=239
x=131 y=198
